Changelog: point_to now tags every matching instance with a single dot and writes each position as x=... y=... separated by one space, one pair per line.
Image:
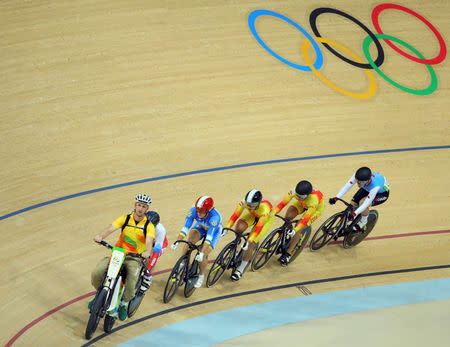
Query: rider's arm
x=149 y=240
x=160 y=232
x=236 y=214
x=372 y=194
x=188 y=222
x=351 y=182
x=117 y=224
x=288 y=197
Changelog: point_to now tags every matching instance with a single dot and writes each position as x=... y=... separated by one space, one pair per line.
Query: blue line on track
x=214 y=169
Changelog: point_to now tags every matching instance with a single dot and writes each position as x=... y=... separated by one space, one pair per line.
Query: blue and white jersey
x=211 y=224
x=378 y=180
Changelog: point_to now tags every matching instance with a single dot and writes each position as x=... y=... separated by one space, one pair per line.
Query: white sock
x=363 y=220
x=242 y=267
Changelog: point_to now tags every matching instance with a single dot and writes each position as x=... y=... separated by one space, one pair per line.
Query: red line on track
x=84 y=296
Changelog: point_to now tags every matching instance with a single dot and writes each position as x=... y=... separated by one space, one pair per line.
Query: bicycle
x=338 y=226
x=278 y=242
x=183 y=272
x=228 y=258
x=109 y=295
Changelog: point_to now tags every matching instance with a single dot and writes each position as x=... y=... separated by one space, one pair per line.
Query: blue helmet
x=153 y=217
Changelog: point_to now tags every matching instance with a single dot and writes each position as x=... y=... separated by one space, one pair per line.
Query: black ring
x=313 y=23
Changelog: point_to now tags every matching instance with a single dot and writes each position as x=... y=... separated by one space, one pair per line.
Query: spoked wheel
x=189 y=288
x=327 y=231
x=221 y=264
x=109 y=323
x=354 y=238
x=301 y=244
x=134 y=303
x=95 y=313
x=266 y=249
x=175 y=279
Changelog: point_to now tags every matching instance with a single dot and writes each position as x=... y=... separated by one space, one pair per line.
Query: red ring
x=443 y=49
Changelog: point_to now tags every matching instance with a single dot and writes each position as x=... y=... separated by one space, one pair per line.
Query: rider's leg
x=293 y=211
x=133 y=267
x=206 y=250
x=193 y=236
x=357 y=200
x=241 y=226
x=98 y=274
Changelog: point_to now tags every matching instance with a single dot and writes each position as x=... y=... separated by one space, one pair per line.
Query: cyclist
x=208 y=222
x=137 y=235
x=308 y=201
x=372 y=186
x=252 y=211
x=159 y=246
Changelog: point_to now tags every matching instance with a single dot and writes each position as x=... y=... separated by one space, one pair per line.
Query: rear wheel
x=221 y=264
x=109 y=323
x=266 y=249
x=175 y=279
x=189 y=287
x=354 y=238
x=301 y=244
x=134 y=303
x=327 y=231
x=95 y=313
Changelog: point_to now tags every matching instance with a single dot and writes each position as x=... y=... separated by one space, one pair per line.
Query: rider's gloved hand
x=352 y=215
x=199 y=257
x=98 y=238
x=332 y=201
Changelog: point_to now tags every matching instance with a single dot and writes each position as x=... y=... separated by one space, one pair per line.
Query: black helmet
x=153 y=217
x=303 y=188
x=363 y=174
x=253 y=198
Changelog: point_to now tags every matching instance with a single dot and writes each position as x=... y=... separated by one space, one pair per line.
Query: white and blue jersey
x=378 y=180
x=211 y=225
x=378 y=185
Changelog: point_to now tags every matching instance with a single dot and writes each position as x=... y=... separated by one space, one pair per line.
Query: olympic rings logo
x=354 y=59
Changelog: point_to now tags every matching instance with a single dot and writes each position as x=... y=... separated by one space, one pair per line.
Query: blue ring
x=251 y=23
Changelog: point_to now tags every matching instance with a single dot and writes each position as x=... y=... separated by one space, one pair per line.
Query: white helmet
x=143 y=198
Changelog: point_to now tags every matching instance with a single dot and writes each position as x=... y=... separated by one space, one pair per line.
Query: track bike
x=109 y=295
x=341 y=224
x=184 y=271
x=228 y=258
x=278 y=241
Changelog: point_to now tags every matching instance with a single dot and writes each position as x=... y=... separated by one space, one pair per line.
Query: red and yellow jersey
x=261 y=214
x=313 y=205
x=132 y=238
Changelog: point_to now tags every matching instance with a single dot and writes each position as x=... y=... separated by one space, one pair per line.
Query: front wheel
x=266 y=249
x=189 y=287
x=95 y=313
x=301 y=244
x=354 y=238
x=221 y=264
x=175 y=279
x=109 y=323
x=329 y=229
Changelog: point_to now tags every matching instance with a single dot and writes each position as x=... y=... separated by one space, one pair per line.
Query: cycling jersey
x=211 y=225
x=132 y=238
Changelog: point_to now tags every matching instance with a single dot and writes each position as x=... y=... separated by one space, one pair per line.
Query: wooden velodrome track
x=98 y=94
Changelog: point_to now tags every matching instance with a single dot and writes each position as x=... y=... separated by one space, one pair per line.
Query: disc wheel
x=354 y=238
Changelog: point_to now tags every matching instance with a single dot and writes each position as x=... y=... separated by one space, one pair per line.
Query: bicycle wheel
x=327 y=231
x=134 y=303
x=266 y=249
x=301 y=244
x=109 y=323
x=354 y=238
x=175 y=279
x=189 y=287
x=95 y=313
x=221 y=264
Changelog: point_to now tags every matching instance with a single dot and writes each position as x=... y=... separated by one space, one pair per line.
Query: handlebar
x=236 y=233
x=286 y=220
x=107 y=245
x=190 y=244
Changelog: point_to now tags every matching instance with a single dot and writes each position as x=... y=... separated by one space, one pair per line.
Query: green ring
x=434 y=80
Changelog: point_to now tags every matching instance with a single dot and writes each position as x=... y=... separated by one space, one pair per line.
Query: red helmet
x=204 y=204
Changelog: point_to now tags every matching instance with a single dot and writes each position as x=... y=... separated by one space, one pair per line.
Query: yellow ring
x=356 y=95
